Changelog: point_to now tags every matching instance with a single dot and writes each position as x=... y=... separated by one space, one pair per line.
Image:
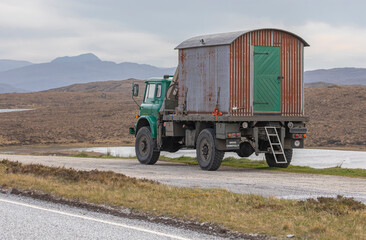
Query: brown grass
x=324 y=218
x=68 y=118
x=336 y=117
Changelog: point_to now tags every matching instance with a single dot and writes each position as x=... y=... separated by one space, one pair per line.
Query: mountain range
x=23 y=76
x=339 y=76
x=5 y=88
x=11 y=64
x=65 y=71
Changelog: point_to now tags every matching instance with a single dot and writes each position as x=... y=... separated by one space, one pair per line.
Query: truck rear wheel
x=272 y=162
x=144 y=147
x=209 y=158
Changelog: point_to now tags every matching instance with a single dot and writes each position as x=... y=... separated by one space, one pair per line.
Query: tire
x=209 y=158
x=272 y=163
x=245 y=150
x=144 y=147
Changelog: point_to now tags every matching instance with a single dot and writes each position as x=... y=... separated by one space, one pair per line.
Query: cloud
x=146 y=32
x=333 y=46
x=39 y=32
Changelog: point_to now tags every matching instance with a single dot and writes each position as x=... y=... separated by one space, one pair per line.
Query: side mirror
x=135 y=90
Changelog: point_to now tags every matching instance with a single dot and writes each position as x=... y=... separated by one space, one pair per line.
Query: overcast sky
x=146 y=31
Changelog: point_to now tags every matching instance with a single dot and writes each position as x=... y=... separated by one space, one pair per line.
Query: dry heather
x=68 y=117
x=337 y=116
x=101 y=113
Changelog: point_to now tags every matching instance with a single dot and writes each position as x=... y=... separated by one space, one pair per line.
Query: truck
x=237 y=92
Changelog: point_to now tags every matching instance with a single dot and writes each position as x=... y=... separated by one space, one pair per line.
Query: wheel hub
x=143 y=146
x=205 y=150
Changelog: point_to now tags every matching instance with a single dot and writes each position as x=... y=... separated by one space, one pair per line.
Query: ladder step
x=276 y=146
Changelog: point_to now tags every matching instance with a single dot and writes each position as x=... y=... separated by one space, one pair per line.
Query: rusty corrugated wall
x=203 y=75
x=241 y=71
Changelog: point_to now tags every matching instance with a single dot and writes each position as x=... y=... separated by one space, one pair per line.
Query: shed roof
x=224 y=39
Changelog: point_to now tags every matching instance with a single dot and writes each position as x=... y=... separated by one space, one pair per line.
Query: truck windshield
x=150 y=91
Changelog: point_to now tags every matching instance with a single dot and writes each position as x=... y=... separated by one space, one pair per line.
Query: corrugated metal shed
x=218 y=69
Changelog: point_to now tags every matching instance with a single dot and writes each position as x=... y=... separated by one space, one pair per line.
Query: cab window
x=150 y=91
x=158 y=91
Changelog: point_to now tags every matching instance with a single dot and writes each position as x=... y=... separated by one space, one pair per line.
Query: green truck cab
x=155 y=89
x=153 y=97
x=145 y=129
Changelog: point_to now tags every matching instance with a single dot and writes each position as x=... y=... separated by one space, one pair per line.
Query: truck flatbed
x=255 y=118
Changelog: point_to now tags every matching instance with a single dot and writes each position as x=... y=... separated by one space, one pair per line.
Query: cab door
x=152 y=100
x=149 y=99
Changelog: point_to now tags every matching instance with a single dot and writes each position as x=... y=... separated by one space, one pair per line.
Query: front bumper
x=132 y=130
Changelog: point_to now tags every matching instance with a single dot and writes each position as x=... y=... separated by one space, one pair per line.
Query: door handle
x=279 y=78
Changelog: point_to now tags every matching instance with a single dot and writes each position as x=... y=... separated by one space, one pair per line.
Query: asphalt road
x=262 y=182
x=24 y=218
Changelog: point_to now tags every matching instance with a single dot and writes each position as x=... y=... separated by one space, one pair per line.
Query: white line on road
x=94 y=219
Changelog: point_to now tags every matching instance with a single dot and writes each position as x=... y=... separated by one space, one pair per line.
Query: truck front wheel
x=144 y=147
x=209 y=158
x=272 y=162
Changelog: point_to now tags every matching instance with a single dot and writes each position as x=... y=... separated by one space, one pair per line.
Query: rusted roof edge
x=224 y=39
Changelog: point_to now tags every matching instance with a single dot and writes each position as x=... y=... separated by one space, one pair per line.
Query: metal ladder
x=275 y=143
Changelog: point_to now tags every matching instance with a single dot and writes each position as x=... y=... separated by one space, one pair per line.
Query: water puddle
x=13 y=110
x=315 y=158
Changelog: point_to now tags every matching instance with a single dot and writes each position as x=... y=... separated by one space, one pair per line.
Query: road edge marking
x=93 y=219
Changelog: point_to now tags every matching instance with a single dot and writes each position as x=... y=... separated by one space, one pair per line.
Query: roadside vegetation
x=322 y=218
x=246 y=163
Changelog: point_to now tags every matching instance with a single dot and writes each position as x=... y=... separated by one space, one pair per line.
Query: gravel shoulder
x=245 y=181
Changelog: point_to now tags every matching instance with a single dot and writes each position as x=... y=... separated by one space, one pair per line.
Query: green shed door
x=267 y=80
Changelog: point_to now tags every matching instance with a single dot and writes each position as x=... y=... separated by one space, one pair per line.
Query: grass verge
x=246 y=163
x=97 y=155
x=323 y=218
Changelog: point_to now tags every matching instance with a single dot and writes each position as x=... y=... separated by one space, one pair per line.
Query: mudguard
x=152 y=124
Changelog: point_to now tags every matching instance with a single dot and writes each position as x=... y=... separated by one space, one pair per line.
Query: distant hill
x=318 y=85
x=6 y=65
x=107 y=86
x=20 y=76
x=340 y=76
x=5 y=88
x=84 y=68
x=87 y=57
